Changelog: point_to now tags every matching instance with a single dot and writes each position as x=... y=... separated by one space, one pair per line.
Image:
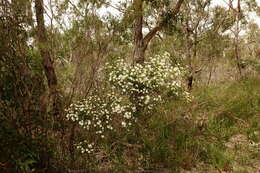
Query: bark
x=139 y=49
x=237 y=30
x=141 y=43
x=189 y=58
x=237 y=55
x=190 y=82
x=189 y=45
x=46 y=58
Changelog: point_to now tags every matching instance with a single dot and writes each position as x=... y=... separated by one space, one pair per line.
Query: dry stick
x=71 y=146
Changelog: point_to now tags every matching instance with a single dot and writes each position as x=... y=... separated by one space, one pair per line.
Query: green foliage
x=239 y=99
x=254 y=64
x=216 y=156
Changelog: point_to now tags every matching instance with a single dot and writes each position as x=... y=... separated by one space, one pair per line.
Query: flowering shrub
x=134 y=88
x=148 y=84
x=99 y=116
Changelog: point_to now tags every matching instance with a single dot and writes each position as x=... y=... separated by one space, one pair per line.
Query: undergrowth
x=180 y=135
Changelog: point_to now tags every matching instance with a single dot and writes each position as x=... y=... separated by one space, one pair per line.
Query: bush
x=150 y=83
x=132 y=92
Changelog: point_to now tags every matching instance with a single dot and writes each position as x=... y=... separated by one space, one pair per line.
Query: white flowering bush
x=99 y=116
x=133 y=89
x=150 y=83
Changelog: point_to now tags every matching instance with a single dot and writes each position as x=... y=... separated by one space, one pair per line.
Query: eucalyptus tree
x=251 y=49
x=252 y=40
x=202 y=25
x=195 y=23
x=166 y=11
x=240 y=10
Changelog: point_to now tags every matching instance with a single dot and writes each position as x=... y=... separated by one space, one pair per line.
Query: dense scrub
x=175 y=136
x=163 y=86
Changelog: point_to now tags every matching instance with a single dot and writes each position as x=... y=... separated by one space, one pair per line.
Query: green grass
x=229 y=108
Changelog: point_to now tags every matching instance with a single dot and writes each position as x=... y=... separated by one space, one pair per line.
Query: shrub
x=150 y=83
x=133 y=90
x=100 y=116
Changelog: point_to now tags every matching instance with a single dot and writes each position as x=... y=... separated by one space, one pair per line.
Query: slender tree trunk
x=189 y=46
x=46 y=58
x=211 y=69
x=192 y=46
x=236 y=41
x=236 y=45
x=237 y=55
x=139 y=49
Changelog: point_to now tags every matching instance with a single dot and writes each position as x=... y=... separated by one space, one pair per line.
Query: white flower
x=147 y=99
x=123 y=124
x=81 y=123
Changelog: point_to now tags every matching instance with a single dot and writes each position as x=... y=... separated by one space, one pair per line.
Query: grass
x=181 y=135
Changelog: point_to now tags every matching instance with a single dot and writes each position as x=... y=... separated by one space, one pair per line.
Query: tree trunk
x=139 y=54
x=46 y=58
x=139 y=49
x=236 y=39
x=189 y=46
